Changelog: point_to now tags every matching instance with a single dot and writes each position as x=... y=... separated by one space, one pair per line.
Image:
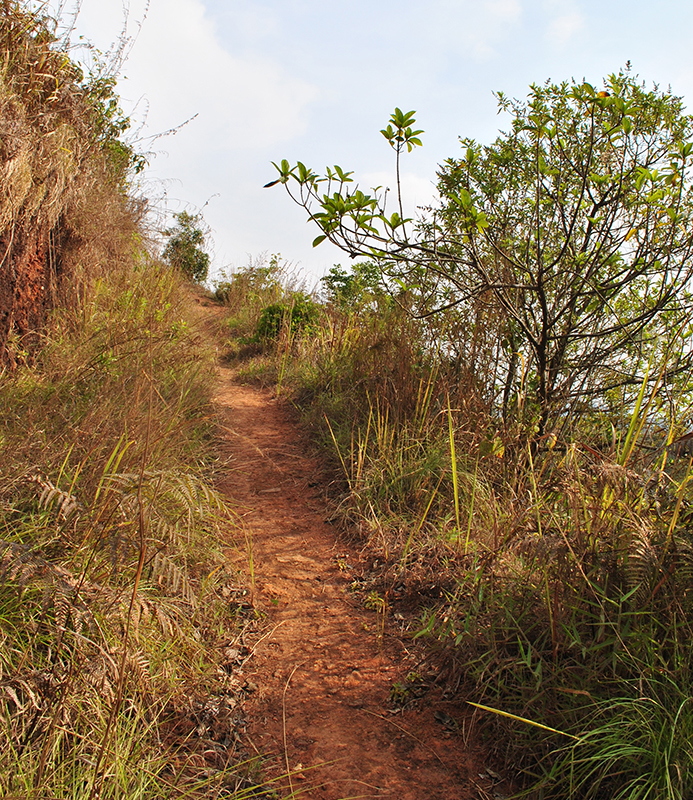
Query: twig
x=261 y=639
x=404 y=730
x=286 y=750
x=254 y=446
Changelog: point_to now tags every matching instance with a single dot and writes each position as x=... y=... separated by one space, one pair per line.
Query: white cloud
x=566 y=23
x=180 y=65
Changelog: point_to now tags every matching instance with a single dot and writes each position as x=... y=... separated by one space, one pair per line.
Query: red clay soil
x=326 y=665
x=26 y=286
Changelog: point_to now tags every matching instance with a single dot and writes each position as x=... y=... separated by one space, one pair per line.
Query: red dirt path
x=324 y=667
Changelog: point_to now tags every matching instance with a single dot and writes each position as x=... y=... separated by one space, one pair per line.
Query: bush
x=295 y=313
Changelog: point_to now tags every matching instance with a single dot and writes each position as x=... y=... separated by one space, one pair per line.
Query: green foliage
x=349 y=218
x=110 y=125
x=399 y=133
x=355 y=290
x=578 y=220
x=184 y=250
x=573 y=230
x=262 y=284
x=296 y=313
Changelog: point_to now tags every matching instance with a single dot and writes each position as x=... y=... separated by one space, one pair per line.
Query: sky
x=315 y=81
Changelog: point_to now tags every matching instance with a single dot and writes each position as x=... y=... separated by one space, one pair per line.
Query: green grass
x=634 y=748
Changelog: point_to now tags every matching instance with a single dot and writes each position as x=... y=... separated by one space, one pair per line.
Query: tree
x=577 y=224
x=355 y=290
x=184 y=249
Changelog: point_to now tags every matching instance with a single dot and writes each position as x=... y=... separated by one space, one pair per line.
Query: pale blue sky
x=315 y=81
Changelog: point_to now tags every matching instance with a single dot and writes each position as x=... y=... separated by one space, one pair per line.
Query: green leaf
x=465 y=199
x=481 y=221
x=319 y=239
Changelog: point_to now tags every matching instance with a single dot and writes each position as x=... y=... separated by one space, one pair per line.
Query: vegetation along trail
x=325 y=665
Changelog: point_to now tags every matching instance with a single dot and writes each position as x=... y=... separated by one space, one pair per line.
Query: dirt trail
x=324 y=668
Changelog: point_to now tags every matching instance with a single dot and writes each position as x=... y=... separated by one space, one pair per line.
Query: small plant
x=374 y=602
x=404 y=691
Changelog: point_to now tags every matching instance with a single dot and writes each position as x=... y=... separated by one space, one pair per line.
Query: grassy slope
x=111 y=607
x=115 y=601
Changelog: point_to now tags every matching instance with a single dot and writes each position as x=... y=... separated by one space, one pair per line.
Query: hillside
x=114 y=592
x=436 y=515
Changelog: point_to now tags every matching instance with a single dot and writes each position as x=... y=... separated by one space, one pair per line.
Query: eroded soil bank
x=325 y=665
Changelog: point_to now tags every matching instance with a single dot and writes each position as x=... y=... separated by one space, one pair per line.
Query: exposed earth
x=327 y=668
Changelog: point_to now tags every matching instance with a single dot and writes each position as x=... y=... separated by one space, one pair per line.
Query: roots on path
x=325 y=665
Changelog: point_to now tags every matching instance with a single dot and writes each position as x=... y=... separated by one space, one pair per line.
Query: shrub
x=295 y=313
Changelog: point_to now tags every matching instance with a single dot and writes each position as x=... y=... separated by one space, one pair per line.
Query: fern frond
x=642 y=563
x=165 y=572
x=21 y=564
x=683 y=549
x=66 y=503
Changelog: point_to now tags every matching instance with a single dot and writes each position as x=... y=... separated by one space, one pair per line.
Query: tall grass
x=563 y=566
x=111 y=602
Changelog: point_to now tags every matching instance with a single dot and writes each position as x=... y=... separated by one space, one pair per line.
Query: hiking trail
x=325 y=665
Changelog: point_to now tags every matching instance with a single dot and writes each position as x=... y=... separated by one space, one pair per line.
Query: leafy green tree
x=356 y=289
x=184 y=249
x=576 y=225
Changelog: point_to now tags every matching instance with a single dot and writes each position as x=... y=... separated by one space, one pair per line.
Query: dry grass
x=552 y=577
x=120 y=619
x=114 y=593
